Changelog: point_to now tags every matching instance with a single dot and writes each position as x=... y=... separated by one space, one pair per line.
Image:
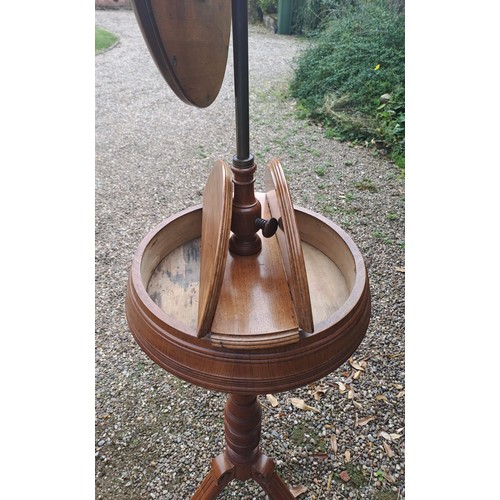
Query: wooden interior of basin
x=175 y=283
x=171 y=275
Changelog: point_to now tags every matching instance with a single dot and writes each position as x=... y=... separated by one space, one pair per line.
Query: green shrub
x=309 y=16
x=268 y=6
x=355 y=60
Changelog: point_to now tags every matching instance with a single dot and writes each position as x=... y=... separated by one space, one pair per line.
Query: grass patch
x=380 y=235
x=357 y=477
x=366 y=184
x=320 y=171
x=307 y=437
x=103 y=39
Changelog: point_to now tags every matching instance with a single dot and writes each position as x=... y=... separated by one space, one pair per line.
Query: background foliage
x=311 y=16
x=267 y=6
x=352 y=78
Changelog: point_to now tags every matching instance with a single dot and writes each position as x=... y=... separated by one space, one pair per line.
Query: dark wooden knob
x=269 y=227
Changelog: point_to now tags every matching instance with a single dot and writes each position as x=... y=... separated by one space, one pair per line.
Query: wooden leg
x=271 y=483
x=221 y=474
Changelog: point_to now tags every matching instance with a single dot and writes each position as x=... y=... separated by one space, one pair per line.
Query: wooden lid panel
x=255 y=307
x=215 y=232
x=281 y=208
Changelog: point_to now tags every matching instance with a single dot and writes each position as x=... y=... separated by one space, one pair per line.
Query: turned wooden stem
x=242 y=424
x=242 y=458
x=246 y=209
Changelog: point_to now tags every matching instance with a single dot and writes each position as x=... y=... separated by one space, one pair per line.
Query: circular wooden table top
x=189 y=42
x=256 y=351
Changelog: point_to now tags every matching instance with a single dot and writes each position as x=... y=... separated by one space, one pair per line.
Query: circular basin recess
x=162 y=308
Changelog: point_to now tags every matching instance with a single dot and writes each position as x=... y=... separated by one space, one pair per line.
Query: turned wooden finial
x=246 y=209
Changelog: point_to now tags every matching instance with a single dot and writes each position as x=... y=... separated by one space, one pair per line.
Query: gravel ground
x=155 y=434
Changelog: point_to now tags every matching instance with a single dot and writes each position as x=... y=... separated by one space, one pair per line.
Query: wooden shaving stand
x=208 y=299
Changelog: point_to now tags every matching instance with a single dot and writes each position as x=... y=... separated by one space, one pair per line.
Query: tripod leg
x=265 y=475
x=221 y=474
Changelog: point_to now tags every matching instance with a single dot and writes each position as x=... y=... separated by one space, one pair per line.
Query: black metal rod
x=240 y=57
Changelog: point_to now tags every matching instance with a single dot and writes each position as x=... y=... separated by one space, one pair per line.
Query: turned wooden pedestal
x=162 y=311
x=242 y=458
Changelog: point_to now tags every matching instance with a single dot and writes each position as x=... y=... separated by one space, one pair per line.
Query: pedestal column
x=242 y=458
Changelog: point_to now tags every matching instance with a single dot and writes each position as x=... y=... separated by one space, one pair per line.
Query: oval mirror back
x=189 y=42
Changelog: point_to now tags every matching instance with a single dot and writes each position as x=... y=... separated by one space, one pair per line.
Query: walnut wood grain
x=281 y=208
x=175 y=283
x=189 y=42
x=215 y=232
x=175 y=346
x=246 y=209
x=255 y=307
x=242 y=458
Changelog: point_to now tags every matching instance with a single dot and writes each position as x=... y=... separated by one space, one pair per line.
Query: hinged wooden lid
x=281 y=208
x=255 y=309
x=189 y=42
x=215 y=232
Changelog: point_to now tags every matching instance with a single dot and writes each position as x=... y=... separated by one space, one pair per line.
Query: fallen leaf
x=302 y=405
x=397 y=386
x=350 y=394
x=344 y=475
x=333 y=443
x=347 y=456
x=395 y=436
x=298 y=490
x=389 y=478
x=355 y=364
x=385 y=435
x=400 y=394
x=400 y=269
x=388 y=450
x=381 y=397
x=320 y=456
x=365 y=420
x=342 y=387
x=272 y=400
x=359 y=406
x=329 y=483
x=319 y=390
x=356 y=374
